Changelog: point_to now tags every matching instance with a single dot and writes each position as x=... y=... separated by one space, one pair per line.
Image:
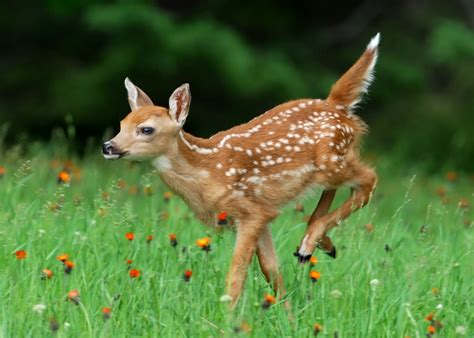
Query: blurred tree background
x=64 y=62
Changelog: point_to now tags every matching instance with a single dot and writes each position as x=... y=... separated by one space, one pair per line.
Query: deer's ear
x=179 y=103
x=136 y=97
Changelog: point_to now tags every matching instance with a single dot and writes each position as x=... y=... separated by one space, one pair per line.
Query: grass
x=367 y=291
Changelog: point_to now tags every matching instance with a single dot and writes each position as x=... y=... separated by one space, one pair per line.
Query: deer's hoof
x=301 y=258
x=331 y=253
x=304 y=259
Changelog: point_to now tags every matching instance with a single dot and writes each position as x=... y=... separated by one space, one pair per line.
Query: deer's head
x=148 y=130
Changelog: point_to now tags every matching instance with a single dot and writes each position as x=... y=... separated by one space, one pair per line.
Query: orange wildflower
x=314 y=275
x=130 y=236
x=441 y=191
x=64 y=177
x=73 y=296
x=105 y=196
x=445 y=200
x=299 y=207
x=20 y=254
x=147 y=190
x=167 y=195
x=173 y=240
x=435 y=291
x=187 y=275
x=134 y=273
x=3 y=170
x=149 y=238
x=431 y=329
x=106 y=312
x=53 y=324
x=268 y=301
x=369 y=228
x=430 y=317
x=133 y=190
x=63 y=257
x=47 y=274
x=317 y=328
x=121 y=183
x=68 y=266
x=451 y=176
x=129 y=261
x=463 y=203
x=204 y=243
x=313 y=260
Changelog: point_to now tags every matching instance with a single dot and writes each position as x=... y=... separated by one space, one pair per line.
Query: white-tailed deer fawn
x=252 y=170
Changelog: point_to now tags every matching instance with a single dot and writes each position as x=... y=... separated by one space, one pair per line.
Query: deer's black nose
x=108 y=148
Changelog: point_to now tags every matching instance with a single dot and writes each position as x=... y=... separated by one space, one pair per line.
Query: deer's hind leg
x=327 y=197
x=363 y=181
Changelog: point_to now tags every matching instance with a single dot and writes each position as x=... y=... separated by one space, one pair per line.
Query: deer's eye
x=147 y=130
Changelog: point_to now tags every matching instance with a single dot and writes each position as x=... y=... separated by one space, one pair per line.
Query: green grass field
x=418 y=259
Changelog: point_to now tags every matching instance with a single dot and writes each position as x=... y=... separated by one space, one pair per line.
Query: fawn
x=250 y=171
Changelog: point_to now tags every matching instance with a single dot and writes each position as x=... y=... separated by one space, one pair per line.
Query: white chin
x=111 y=156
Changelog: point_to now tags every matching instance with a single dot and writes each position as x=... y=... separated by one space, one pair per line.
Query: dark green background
x=64 y=62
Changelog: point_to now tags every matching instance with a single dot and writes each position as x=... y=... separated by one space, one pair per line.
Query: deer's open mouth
x=113 y=156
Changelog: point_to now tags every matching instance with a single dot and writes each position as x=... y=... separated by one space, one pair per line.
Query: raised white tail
x=348 y=90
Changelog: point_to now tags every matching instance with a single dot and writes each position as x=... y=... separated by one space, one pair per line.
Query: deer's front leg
x=248 y=233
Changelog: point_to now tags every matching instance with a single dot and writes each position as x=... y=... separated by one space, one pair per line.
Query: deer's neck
x=185 y=168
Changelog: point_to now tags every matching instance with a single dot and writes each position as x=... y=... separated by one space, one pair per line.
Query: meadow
x=87 y=252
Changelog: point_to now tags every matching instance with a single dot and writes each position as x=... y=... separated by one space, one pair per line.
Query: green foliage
x=420 y=251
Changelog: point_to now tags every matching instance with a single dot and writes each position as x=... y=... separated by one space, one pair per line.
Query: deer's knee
x=366 y=184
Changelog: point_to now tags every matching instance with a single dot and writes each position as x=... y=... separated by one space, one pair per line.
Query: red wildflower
x=3 y=170
x=222 y=218
x=134 y=273
x=187 y=275
x=149 y=238
x=106 y=312
x=129 y=261
x=130 y=236
x=20 y=254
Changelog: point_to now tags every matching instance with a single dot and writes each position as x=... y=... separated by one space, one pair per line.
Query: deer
x=251 y=171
